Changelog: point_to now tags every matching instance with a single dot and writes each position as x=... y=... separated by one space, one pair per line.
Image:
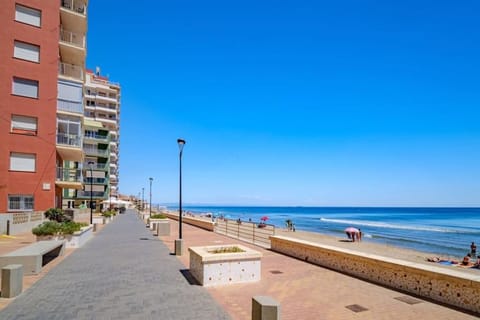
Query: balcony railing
x=69 y=175
x=77 y=39
x=95 y=194
x=69 y=139
x=96 y=136
x=77 y=6
x=96 y=152
x=88 y=180
x=70 y=70
x=96 y=166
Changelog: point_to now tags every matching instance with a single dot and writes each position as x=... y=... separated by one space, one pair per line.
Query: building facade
x=42 y=73
x=102 y=104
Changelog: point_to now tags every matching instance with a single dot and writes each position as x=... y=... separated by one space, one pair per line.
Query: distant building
x=102 y=104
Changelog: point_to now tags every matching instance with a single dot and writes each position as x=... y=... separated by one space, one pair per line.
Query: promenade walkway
x=122 y=273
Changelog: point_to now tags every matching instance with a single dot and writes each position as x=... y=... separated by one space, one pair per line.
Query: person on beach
x=473 y=249
x=359 y=234
x=466 y=260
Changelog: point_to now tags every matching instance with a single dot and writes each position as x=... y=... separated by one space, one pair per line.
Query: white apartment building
x=102 y=104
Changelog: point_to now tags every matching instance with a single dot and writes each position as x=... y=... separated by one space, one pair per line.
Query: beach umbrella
x=264 y=218
x=352 y=229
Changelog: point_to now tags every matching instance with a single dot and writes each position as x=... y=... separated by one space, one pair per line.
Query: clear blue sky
x=325 y=103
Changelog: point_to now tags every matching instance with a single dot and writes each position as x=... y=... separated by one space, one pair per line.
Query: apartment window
x=25 y=87
x=22 y=162
x=26 y=51
x=28 y=15
x=24 y=125
x=20 y=202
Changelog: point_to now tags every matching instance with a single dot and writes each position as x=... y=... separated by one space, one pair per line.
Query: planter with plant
x=224 y=264
x=160 y=224
x=60 y=227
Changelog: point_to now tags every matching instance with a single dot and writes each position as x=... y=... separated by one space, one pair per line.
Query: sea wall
x=201 y=223
x=451 y=287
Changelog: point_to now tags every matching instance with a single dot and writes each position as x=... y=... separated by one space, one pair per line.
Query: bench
x=34 y=256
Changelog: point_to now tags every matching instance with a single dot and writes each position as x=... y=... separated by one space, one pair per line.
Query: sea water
x=440 y=231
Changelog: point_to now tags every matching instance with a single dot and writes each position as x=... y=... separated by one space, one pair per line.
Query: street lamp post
x=150 y=209
x=179 y=242
x=90 y=165
x=143 y=201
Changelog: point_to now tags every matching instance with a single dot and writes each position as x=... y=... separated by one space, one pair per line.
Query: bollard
x=8 y=227
x=179 y=247
x=265 y=308
x=12 y=280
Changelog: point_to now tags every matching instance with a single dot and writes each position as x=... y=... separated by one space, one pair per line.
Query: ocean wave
x=397 y=226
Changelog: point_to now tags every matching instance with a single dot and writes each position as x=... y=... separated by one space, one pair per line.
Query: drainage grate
x=276 y=272
x=356 y=308
x=408 y=300
x=144 y=239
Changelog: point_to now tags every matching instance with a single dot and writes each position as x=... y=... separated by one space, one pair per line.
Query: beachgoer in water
x=473 y=249
x=466 y=260
x=353 y=236
x=359 y=235
x=348 y=235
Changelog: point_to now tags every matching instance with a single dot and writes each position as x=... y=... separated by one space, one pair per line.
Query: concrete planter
x=76 y=240
x=160 y=226
x=213 y=269
x=99 y=220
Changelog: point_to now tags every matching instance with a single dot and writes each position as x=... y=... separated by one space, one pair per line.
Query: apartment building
x=102 y=104
x=42 y=73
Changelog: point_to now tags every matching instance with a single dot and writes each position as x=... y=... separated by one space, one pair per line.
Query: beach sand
x=370 y=247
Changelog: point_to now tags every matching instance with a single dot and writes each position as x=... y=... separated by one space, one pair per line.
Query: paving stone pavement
x=122 y=273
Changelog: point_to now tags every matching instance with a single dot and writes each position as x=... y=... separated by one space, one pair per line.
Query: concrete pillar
x=179 y=247
x=12 y=280
x=265 y=308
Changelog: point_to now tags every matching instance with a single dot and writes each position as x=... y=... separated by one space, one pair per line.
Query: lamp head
x=151 y=179
x=90 y=164
x=181 y=143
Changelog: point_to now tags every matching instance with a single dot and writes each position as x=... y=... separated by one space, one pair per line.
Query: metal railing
x=69 y=175
x=255 y=233
x=97 y=152
x=69 y=139
x=77 y=6
x=96 y=166
x=74 y=38
x=88 y=180
x=95 y=194
x=95 y=136
x=70 y=70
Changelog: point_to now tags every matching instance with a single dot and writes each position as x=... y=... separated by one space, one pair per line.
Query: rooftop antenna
x=97 y=71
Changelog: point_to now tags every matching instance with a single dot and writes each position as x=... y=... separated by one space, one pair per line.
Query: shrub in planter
x=158 y=216
x=52 y=228
x=56 y=214
x=107 y=214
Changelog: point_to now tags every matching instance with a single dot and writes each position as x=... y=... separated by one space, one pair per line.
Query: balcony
x=70 y=71
x=69 y=106
x=94 y=194
x=97 y=166
x=73 y=15
x=68 y=178
x=69 y=147
x=96 y=137
x=94 y=180
x=97 y=152
x=72 y=47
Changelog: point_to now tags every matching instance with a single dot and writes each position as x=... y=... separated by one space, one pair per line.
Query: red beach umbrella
x=264 y=218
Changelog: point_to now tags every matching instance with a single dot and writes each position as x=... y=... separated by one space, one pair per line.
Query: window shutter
x=24 y=123
x=26 y=51
x=28 y=15
x=25 y=87
x=22 y=162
